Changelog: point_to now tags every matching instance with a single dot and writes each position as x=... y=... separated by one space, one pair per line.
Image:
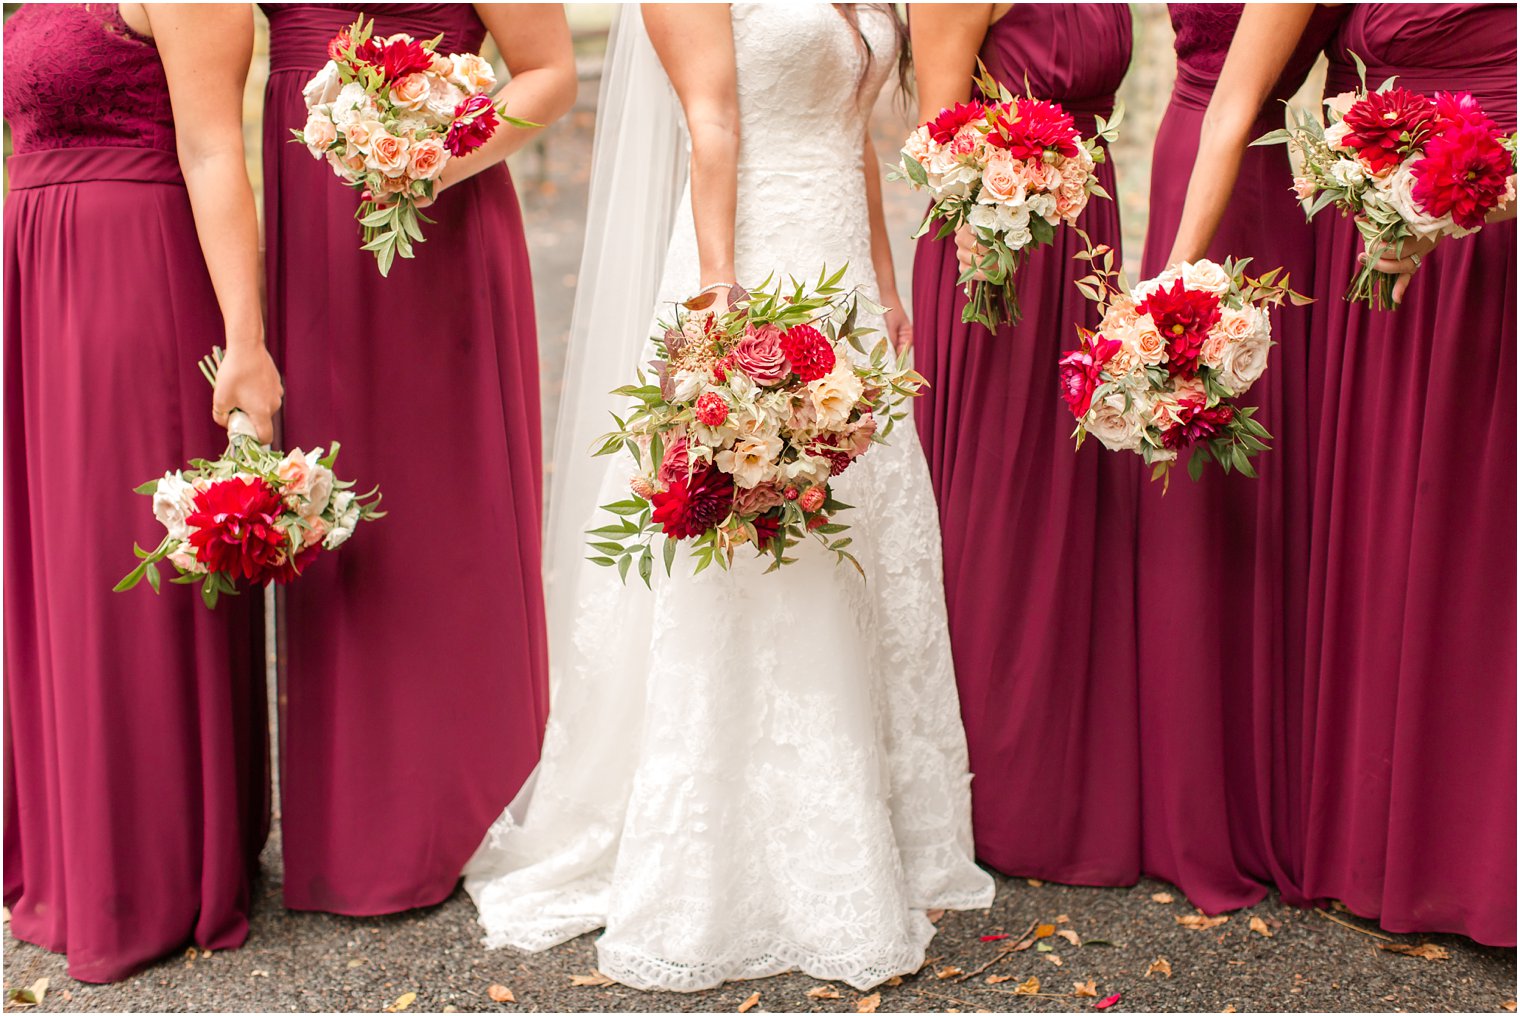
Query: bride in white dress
x=743 y=773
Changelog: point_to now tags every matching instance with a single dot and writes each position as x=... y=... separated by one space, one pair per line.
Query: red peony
x=810 y=354
x=1079 y=374
x=1026 y=128
x=943 y=128
x=1183 y=317
x=1463 y=174
x=235 y=529
x=396 y=59
x=1196 y=424
x=1377 y=126
x=694 y=504
x=710 y=409
x=474 y=123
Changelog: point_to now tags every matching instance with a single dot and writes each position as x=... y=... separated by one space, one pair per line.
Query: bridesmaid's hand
x=248 y=380
x=1412 y=251
x=898 y=327
x=967 y=251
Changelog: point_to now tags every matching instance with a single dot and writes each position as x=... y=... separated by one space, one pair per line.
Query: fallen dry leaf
x=402 y=1002
x=869 y=1003
x=1063 y=918
x=1054 y=959
x=1159 y=965
x=1260 y=927
x=1201 y=922
x=501 y=993
x=1084 y=989
x=1228 y=1008
x=1508 y=1006
x=1044 y=930
x=824 y=991
x=893 y=982
x=1029 y=987
x=355 y=963
x=1036 y=883
x=1070 y=936
x=749 y=1003
x=1424 y=951
x=999 y=978
x=945 y=973
x=592 y=980
x=29 y=996
x=1161 y=897
x=1109 y=1001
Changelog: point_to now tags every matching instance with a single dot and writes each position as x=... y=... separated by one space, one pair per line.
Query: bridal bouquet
x=745 y=419
x=1161 y=373
x=1405 y=165
x=253 y=514
x=387 y=115
x=1014 y=170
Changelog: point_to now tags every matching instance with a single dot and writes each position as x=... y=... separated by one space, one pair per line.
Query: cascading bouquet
x=746 y=418
x=1161 y=373
x=1405 y=165
x=387 y=115
x=1014 y=170
x=253 y=514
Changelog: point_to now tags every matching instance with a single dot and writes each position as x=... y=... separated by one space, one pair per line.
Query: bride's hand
x=967 y=251
x=898 y=326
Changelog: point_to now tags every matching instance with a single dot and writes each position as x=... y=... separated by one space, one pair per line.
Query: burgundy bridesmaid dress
x=415 y=687
x=136 y=779
x=1221 y=704
x=1038 y=537
x=1411 y=642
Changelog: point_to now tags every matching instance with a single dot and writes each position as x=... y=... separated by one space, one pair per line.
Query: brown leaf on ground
x=1161 y=897
x=1423 y=951
x=1034 y=882
x=999 y=978
x=827 y=991
x=1044 y=930
x=1084 y=989
x=945 y=973
x=29 y=996
x=869 y=1003
x=402 y=1003
x=355 y=963
x=1508 y=1006
x=1063 y=918
x=749 y=1003
x=1201 y=922
x=1159 y=965
x=1070 y=936
x=1054 y=959
x=1229 y=1008
x=596 y=979
x=892 y=982
x=1260 y=927
x=1029 y=987
x=501 y=993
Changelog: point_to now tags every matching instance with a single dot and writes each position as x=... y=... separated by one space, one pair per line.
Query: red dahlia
x=1196 y=424
x=766 y=528
x=1463 y=174
x=1027 y=128
x=810 y=354
x=474 y=123
x=1382 y=123
x=290 y=568
x=395 y=59
x=944 y=127
x=234 y=529
x=692 y=505
x=839 y=459
x=1183 y=317
x=1453 y=107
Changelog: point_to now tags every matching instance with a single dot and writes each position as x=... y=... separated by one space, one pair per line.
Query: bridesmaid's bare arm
x=695 y=44
x=1263 y=44
x=205 y=50
x=899 y=328
x=534 y=40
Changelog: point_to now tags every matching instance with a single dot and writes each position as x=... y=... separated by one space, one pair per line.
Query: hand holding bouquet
x=1406 y=165
x=253 y=514
x=747 y=418
x=388 y=115
x=1160 y=375
x=1013 y=170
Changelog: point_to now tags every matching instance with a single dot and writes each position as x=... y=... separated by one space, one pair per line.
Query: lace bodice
x=1204 y=32
x=76 y=76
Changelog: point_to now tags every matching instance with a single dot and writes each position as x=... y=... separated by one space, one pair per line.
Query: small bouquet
x=1161 y=373
x=1013 y=169
x=1405 y=165
x=387 y=115
x=253 y=514
x=746 y=419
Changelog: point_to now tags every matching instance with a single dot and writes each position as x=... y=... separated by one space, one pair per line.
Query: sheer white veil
x=638 y=175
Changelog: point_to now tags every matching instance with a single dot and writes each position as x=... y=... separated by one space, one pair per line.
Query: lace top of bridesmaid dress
x=76 y=76
x=1204 y=32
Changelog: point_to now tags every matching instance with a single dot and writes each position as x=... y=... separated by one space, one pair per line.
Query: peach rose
x=1118 y=430
x=919 y=145
x=1238 y=325
x=428 y=159
x=472 y=72
x=1149 y=344
x=316 y=532
x=389 y=154
x=442 y=65
x=1304 y=187
x=183 y=557
x=318 y=134
x=1001 y=183
x=410 y=92
x=1124 y=362
x=1212 y=352
x=361 y=134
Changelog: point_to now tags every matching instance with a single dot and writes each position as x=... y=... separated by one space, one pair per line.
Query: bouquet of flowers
x=1405 y=165
x=746 y=419
x=1161 y=373
x=1013 y=169
x=387 y=115
x=253 y=514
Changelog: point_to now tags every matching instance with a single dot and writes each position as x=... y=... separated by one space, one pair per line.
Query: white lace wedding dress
x=747 y=773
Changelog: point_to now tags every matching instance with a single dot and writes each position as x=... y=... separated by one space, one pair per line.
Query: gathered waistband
x=84 y=165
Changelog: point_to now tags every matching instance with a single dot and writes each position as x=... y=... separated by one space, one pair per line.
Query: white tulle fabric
x=745 y=774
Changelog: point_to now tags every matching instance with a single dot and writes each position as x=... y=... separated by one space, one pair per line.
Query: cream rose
x=1107 y=421
x=345 y=518
x=1397 y=191
x=318 y=133
x=1206 y=276
x=173 y=502
x=324 y=86
x=834 y=395
x=751 y=460
x=410 y=92
x=361 y=134
x=1335 y=134
x=472 y=72
x=443 y=98
x=428 y=159
x=1244 y=362
x=388 y=154
x=919 y=145
x=308 y=485
x=183 y=557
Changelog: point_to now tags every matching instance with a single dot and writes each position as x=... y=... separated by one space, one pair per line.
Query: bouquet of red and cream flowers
x=254 y=514
x=387 y=115
x=1406 y=165
x=1014 y=170
x=746 y=419
x=1160 y=375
